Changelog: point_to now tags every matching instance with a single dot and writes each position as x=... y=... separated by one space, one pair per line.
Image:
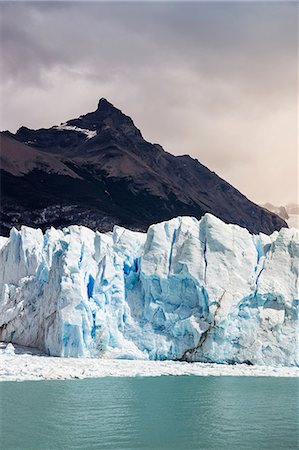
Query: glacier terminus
x=186 y=290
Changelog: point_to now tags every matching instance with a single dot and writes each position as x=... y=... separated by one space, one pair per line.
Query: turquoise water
x=164 y=413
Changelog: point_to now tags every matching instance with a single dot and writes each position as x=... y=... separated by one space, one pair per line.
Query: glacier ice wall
x=186 y=289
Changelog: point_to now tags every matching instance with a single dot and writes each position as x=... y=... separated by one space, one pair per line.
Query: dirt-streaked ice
x=187 y=289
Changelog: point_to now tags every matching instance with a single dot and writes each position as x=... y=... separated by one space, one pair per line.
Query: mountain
x=289 y=213
x=186 y=289
x=98 y=171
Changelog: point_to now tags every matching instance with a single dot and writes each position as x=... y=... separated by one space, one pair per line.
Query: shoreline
x=34 y=367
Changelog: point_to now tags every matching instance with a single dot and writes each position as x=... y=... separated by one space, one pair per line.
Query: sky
x=216 y=80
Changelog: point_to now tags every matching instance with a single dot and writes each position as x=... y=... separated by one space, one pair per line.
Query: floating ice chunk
x=9 y=350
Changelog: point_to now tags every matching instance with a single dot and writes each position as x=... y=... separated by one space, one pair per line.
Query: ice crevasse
x=187 y=289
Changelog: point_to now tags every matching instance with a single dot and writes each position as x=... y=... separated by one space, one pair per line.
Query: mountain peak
x=122 y=179
x=104 y=105
x=106 y=110
x=108 y=115
x=106 y=123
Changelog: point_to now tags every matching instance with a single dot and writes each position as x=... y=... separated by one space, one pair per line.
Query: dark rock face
x=101 y=172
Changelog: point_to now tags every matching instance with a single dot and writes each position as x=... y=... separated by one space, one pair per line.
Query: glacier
x=186 y=290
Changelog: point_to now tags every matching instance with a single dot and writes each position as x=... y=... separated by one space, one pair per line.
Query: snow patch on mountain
x=89 y=133
x=187 y=289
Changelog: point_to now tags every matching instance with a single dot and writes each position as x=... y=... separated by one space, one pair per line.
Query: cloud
x=216 y=80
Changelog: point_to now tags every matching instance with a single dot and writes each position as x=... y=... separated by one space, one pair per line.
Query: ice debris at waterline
x=187 y=289
x=29 y=364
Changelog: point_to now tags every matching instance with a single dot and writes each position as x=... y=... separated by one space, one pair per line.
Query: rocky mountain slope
x=98 y=171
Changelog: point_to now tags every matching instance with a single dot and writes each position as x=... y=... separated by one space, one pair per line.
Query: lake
x=154 y=413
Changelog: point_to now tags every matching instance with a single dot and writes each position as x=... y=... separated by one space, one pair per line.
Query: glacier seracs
x=186 y=289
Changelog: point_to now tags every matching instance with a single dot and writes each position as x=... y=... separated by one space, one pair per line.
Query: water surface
x=163 y=413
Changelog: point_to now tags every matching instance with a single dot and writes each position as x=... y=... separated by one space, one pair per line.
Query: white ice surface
x=34 y=366
x=187 y=289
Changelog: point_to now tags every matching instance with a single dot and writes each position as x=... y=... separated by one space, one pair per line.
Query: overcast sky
x=216 y=80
